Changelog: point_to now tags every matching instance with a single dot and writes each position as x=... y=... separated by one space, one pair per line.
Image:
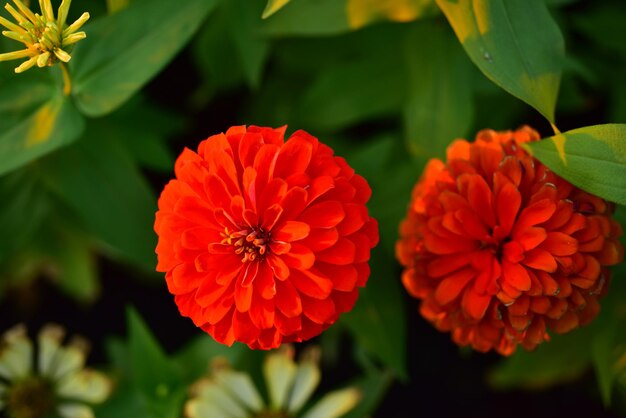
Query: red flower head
x=264 y=241
x=500 y=249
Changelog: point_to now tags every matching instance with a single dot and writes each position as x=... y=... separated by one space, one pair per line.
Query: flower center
x=271 y=414
x=250 y=243
x=32 y=397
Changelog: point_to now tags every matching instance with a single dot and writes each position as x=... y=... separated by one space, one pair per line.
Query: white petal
x=216 y=396
x=74 y=410
x=307 y=379
x=16 y=357
x=279 y=370
x=200 y=408
x=49 y=342
x=86 y=385
x=69 y=359
x=334 y=404
x=240 y=385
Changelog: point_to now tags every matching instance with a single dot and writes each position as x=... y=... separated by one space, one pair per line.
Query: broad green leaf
x=354 y=92
x=151 y=369
x=609 y=346
x=194 y=359
x=23 y=211
x=273 y=6
x=377 y=320
x=123 y=51
x=97 y=178
x=114 y=6
x=77 y=275
x=364 y=12
x=564 y=358
x=309 y=18
x=604 y=24
x=252 y=50
x=515 y=43
x=592 y=158
x=439 y=106
x=34 y=120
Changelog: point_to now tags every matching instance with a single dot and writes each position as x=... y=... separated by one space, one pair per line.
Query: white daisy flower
x=52 y=380
x=232 y=394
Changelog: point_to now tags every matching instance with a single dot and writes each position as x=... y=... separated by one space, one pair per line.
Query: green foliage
x=439 y=106
x=125 y=50
x=592 y=158
x=497 y=36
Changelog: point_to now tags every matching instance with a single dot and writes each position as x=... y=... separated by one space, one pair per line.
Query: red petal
x=541 y=260
x=534 y=214
x=480 y=199
x=321 y=238
x=342 y=253
x=472 y=224
x=291 y=231
x=474 y=304
x=560 y=244
x=320 y=311
x=311 y=283
x=286 y=325
x=437 y=245
x=355 y=218
x=444 y=265
x=344 y=278
x=264 y=282
x=299 y=257
x=530 y=237
x=452 y=286
x=294 y=202
x=294 y=157
x=516 y=275
x=262 y=312
x=271 y=215
x=249 y=146
x=287 y=299
x=243 y=328
x=273 y=194
x=319 y=186
x=217 y=192
x=280 y=269
x=508 y=203
x=323 y=215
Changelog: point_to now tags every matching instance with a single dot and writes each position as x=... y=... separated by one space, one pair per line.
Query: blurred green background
x=385 y=83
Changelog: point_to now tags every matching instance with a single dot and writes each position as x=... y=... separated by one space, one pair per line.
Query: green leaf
x=194 y=359
x=592 y=158
x=609 y=346
x=515 y=43
x=365 y=12
x=98 y=180
x=354 y=91
x=252 y=50
x=21 y=195
x=151 y=369
x=564 y=358
x=125 y=50
x=309 y=18
x=439 y=107
x=78 y=275
x=34 y=120
x=273 y=6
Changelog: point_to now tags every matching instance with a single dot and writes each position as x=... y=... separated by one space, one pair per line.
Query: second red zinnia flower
x=264 y=241
x=500 y=249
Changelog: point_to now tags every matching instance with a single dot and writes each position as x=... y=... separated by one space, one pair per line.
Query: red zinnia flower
x=500 y=249
x=264 y=241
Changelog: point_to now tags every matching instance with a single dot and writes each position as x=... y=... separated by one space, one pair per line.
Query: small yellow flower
x=46 y=38
x=53 y=381
x=232 y=394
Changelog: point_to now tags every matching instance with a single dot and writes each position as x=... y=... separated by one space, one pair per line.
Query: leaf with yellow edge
x=273 y=6
x=592 y=158
x=363 y=12
x=36 y=131
x=515 y=43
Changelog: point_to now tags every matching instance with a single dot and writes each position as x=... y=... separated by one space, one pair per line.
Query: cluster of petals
x=290 y=386
x=264 y=241
x=48 y=378
x=499 y=249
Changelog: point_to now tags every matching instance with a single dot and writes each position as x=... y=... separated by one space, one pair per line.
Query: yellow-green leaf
x=592 y=158
x=515 y=43
x=273 y=6
x=364 y=12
